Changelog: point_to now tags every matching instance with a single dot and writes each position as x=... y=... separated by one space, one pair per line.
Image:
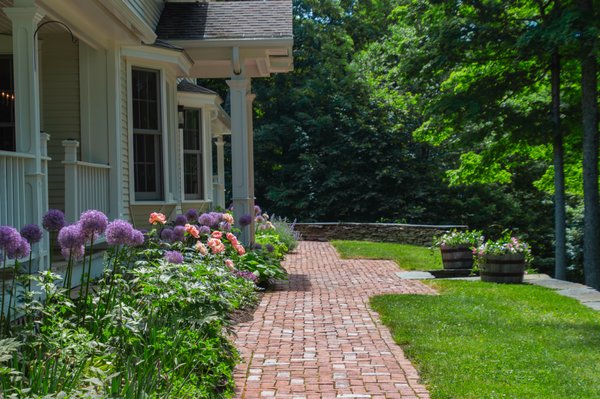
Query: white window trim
x=208 y=104
x=202 y=153
x=163 y=75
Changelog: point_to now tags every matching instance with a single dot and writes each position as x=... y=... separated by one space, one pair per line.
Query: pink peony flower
x=217 y=234
x=232 y=239
x=216 y=245
x=201 y=248
x=240 y=249
x=229 y=264
x=156 y=217
x=193 y=230
x=227 y=217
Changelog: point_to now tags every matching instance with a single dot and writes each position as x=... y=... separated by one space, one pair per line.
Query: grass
x=408 y=257
x=479 y=340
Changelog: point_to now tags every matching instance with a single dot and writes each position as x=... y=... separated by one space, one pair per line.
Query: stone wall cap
x=426 y=226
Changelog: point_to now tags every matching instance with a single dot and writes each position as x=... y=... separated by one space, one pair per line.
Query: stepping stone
x=589 y=295
x=557 y=284
x=537 y=276
x=593 y=305
x=415 y=275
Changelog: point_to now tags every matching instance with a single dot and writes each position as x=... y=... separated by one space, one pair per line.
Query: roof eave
x=286 y=41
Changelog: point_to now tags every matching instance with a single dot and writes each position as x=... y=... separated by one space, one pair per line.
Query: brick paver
x=316 y=336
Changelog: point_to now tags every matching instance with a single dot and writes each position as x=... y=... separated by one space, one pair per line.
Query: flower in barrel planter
x=457 y=248
x=503 y=260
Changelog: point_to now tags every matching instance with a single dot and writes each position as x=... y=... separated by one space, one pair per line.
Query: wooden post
x=71 y=181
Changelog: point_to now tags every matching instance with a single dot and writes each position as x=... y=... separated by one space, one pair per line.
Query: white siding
x=125 y=139
x=148 y=10
x=60 y=102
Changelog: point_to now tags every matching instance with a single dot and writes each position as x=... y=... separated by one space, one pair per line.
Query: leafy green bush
x=285 y=231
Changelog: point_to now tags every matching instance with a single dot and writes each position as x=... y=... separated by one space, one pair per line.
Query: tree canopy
x=424 y=111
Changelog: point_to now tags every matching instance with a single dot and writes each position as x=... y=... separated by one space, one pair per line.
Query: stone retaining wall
x=381 y=232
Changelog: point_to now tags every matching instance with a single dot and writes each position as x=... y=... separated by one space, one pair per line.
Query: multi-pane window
x=192 y=154
x=147 y=134
x=7 y=105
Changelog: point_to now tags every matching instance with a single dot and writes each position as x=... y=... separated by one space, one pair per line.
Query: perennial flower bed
x=156 y=323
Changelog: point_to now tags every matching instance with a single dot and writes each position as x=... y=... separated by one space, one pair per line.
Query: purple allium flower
x=93 y=222
x=245 y=220
x=21 y=250
x=10 y=238
x=192 y=215
x=53 y=220
x=217 y=218
x=180 y=220
x=259 y=219
x=32 y=233
x=257 y=246
x=166 y=235
x=137 y=239
x=204 y=230
x=269 y=248
x=224 y=226
x=206 y=219
x=71 y=236
x=77 y=252
x=247 y=275
x=119 y=232
x=257 y=210
x=174 y=257
x=178 y=233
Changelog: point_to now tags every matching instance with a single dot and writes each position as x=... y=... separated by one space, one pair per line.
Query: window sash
x=147 y=134
x=7 y=104
x=193 y=171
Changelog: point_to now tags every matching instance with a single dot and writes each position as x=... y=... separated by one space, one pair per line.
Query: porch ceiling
x=91 y=21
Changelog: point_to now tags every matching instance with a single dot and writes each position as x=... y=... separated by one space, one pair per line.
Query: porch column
x=220 y=186
x=242 y=159
x=250 y=114
x=27 y=89
x=25 y=18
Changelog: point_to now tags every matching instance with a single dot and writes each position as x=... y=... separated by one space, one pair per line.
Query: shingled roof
x=226 y=20
x=185 y=86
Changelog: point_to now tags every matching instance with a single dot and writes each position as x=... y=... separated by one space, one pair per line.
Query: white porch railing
x=87 y=185
x=13 y=201
x=218 y=192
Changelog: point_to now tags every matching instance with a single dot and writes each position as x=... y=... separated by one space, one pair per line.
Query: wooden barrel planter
x=508 y=268
x=457 y=257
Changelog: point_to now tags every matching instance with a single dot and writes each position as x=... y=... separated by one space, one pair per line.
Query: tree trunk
x=560 y=252
x=589 y=108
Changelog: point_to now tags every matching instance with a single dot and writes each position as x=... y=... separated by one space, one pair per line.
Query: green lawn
x=479 y=340
x=408 y=257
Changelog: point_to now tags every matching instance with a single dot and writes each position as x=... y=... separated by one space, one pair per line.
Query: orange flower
x=216 y=234
x=156 y=217
x=193 y=230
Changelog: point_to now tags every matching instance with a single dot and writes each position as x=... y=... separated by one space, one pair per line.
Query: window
x=192 y=155
x=147 y=134
x=7 y=105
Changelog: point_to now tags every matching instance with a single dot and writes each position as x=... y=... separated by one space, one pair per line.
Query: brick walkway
x=316 y=337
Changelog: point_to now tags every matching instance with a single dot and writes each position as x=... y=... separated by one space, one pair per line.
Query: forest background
x=432 y=112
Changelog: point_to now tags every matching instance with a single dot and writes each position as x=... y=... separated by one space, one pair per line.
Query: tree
x=589 y=107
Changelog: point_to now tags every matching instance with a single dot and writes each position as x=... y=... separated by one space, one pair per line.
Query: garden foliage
x=156 y=324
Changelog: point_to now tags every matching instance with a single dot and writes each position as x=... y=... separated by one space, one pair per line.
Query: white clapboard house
x=99 y=108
